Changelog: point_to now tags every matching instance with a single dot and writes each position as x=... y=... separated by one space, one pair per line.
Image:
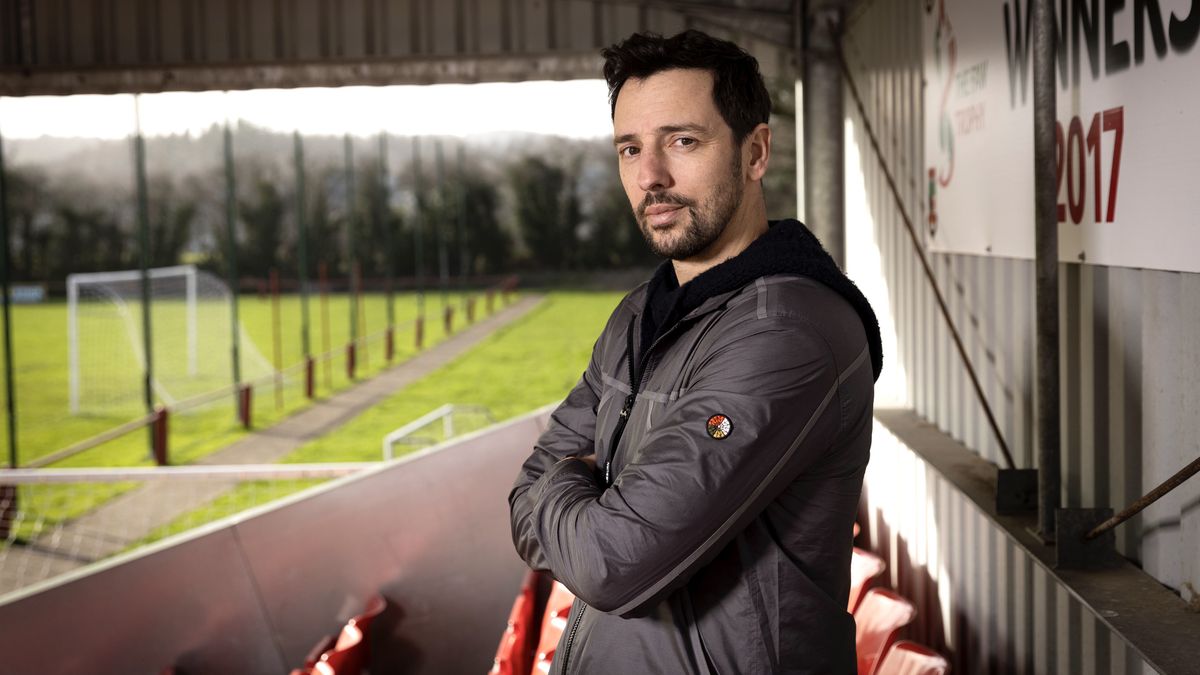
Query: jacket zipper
x=635 y=375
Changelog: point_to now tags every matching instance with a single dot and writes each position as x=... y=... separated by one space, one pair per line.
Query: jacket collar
x=787 y=247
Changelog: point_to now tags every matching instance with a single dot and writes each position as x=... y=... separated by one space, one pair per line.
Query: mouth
x=662 y=215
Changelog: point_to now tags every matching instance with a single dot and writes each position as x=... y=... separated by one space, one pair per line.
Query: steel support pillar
x=822 y=121
x=1046 y=267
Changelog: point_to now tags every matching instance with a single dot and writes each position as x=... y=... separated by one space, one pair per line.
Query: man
x=697 y=488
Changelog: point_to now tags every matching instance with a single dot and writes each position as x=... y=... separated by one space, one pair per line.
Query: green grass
x=523 y=366
x=42 y=400
x=45 y=425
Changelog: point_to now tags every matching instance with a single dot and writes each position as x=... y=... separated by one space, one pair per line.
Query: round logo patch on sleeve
x=719 y=426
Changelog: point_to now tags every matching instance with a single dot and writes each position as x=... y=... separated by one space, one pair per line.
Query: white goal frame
x=73 y=283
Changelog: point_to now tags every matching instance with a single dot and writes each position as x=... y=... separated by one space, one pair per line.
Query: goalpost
x=190 y=338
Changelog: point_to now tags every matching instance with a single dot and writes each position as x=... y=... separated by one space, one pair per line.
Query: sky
x=576 y=109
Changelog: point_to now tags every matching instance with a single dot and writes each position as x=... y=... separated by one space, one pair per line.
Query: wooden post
x=246 y=405
x=160 y=434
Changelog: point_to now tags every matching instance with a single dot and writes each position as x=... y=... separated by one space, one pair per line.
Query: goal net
x=190 y=330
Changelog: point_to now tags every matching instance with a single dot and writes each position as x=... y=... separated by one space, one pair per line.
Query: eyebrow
x=668 y=129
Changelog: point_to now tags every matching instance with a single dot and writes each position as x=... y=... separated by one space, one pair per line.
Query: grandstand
x=1031 y=503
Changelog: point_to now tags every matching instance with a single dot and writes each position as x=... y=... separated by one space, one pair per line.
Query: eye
x=628 y=151
x=685 y=141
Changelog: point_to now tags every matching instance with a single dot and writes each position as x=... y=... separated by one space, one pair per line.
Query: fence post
x=448 y=319
x=231 y=253
x=326 y=349
x=246 y=405
x=276 y=339
x=385 y=200
x=8 y=493
x=8 y=509
x=143 y=220
x=310 y=377
x=159 y=432
x=360 y=315
x=418 y=249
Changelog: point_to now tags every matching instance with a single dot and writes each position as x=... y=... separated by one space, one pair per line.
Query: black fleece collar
x=787 y=247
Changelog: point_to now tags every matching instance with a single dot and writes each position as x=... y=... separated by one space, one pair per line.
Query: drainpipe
x=1046 y=264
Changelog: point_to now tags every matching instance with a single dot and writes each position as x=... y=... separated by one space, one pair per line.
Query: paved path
x=124 y=520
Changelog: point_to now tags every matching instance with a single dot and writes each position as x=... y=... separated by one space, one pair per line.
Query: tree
x=489 y=245
x=546 y=211
x=172 y=213
x=262 y=216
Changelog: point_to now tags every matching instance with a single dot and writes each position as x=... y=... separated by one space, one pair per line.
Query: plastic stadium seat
x=879 y=616
x=375 y=607
x=864 y=566
x=512 y=656
x=347 y=657
x=910 y=658
x=350 y=651
x=558 y=608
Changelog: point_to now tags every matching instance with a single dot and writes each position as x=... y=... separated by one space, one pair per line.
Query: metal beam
x=723 y=9
x=465 y=70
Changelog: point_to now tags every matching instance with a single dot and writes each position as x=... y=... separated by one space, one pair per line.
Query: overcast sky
x=577 y=109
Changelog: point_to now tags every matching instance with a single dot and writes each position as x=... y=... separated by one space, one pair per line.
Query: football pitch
x=107 y=349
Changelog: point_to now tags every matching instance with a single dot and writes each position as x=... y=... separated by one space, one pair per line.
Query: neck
x=749 y=222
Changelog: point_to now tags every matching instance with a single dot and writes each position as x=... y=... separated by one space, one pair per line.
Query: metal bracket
x=1073 y=550
x=1016 y=491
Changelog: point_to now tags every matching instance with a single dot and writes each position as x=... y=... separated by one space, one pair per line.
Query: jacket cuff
x=570 y=472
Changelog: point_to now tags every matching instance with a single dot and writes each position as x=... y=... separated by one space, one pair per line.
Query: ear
x=758 y=146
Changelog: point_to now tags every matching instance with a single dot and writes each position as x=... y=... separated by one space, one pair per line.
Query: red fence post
x=351 y=358
x=160 y=426
x=420 y=332
x=389 y=344
x=276 y=338
x=8 y=509
x=246 y=405
x=310 y=376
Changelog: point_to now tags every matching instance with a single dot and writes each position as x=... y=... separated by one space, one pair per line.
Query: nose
x=653 y=173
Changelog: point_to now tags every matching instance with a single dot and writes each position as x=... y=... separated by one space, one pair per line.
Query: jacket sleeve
x=570 y=433
x=688 y=494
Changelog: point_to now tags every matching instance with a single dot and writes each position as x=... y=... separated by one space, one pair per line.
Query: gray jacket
x=715 y=549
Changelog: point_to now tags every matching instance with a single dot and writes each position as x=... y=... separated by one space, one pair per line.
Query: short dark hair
x=738 y=89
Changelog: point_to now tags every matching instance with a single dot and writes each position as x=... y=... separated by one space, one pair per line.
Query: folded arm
x=687 y=494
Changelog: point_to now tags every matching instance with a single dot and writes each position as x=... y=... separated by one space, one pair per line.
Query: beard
x=707 y=220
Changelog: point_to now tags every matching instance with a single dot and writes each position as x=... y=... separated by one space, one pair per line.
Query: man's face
x=679 y=164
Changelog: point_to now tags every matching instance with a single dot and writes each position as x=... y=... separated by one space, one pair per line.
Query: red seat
x=347 y=657
x=864 y=566
x=558 y=608
x=350 y=652
x=512 y=656
x=910 y=658
x=375 y=607
x=879 y=616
